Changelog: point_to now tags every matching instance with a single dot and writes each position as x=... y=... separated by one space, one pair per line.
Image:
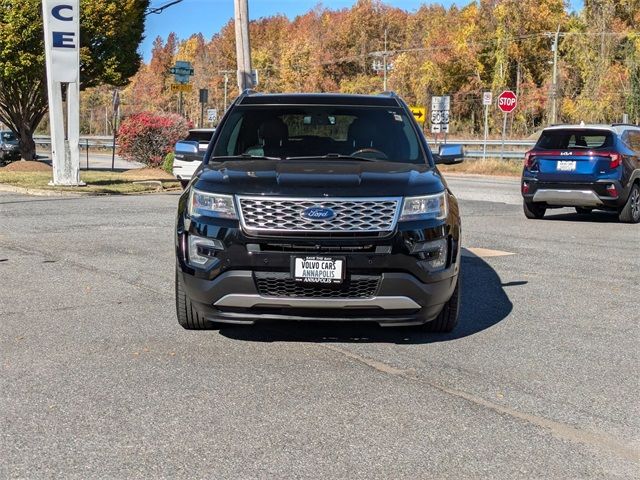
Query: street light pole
x=162 y=8
x=554 y=84
x=226 y=74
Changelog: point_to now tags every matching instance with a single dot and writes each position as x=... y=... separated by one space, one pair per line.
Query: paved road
x=539 y=381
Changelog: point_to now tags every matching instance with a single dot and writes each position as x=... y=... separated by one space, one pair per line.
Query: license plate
x=566 y=165
x=318 y=269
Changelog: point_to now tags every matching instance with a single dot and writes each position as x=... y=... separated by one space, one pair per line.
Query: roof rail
x=388 y=93
x=624 y=125
x=245 y=93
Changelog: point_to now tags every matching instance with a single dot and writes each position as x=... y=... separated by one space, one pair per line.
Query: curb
x=40 y=193
x=36 y=192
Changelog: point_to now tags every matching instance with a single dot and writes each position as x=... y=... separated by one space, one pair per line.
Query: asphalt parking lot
x=540 y=380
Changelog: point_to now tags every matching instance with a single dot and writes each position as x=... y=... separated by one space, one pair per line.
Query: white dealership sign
x=62 y=49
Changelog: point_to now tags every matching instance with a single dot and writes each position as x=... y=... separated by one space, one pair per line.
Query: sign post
x=487 y=100
x=116 y=115
x=204 y=99
x=507 y=102
x=62 y=51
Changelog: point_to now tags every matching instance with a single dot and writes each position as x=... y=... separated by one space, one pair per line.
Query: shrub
x=167 y=163
x=147 y=137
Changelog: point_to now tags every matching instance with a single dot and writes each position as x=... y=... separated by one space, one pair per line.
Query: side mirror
x=187 y=147
x=450 y=154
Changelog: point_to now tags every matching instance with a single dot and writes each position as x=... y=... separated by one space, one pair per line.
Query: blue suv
x=586 y=167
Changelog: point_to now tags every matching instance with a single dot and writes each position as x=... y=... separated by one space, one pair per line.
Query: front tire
x=447 y=320
x=533 y=210
x=630 y=213
x=188 y=315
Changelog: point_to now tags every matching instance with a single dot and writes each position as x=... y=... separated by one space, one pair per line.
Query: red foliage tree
x=147 y=137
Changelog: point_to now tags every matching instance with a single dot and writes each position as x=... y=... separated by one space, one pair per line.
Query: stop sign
x=507 y=101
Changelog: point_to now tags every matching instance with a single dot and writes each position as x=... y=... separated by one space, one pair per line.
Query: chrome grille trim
x=370 y=215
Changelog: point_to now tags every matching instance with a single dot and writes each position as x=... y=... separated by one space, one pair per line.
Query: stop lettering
x=507 y=101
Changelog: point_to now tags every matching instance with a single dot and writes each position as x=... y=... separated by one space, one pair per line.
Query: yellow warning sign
x=181 y=87
x=420 y=113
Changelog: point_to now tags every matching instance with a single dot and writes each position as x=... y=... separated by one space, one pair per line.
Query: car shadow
x=597 y=216
x=484 y=304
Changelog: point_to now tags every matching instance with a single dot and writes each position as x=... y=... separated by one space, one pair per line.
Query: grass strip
x=113 y=183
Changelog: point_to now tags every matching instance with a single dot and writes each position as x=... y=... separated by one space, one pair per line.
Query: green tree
x=110 y=32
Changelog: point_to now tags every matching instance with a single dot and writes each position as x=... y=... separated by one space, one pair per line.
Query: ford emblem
x=318 y=213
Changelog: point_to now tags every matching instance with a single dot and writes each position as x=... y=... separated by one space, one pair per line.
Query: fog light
x=525 y=187
x=433 y=254
x=203 y=250
x=612 y=190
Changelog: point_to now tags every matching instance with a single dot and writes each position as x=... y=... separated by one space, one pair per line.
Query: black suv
x=586 y=167
x=9 y=148
x=319 y=207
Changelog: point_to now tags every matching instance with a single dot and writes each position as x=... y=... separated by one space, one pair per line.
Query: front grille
x=282 y=285
x=352 y=215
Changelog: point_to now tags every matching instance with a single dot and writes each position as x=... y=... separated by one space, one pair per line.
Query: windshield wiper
x=243 y=156
x=335 y=156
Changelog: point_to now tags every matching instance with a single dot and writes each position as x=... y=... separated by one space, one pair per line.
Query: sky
x=209 y=16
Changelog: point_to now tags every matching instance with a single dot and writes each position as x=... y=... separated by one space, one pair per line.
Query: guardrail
x=513 y=149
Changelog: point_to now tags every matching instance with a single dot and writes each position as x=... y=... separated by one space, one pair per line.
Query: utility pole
x=383 y=66
x=226 y=74
x=554 y=84
x=243 y=48
x=384 y=59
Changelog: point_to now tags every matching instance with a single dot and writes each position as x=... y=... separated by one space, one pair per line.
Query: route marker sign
x=507 y=101
x=420 y=113
x=487 y=98
x=440 y=110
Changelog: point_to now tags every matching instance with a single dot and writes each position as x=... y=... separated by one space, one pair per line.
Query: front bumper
x=400 y=300
x=10 y=154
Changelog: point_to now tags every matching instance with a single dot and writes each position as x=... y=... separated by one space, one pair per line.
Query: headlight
x=425 y=207
x=203 y=204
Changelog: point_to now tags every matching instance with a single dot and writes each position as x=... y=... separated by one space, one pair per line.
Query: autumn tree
x=436 y=50
x=110 y=32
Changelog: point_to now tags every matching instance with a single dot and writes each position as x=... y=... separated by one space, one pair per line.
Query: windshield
x=568 y=139
x=7 y=136
x=371 y=133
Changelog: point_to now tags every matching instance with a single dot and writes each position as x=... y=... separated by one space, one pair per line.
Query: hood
x=319 y=178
